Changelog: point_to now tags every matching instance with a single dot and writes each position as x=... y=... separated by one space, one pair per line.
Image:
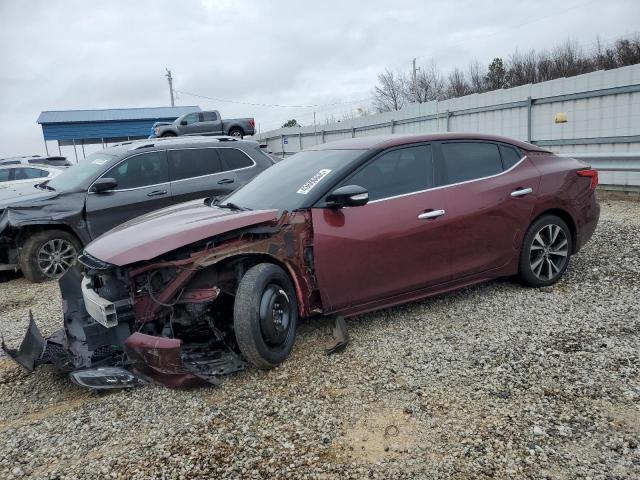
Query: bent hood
x=159 y=232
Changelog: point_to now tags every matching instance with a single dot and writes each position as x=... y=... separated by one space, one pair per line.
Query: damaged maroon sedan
x=195 y=291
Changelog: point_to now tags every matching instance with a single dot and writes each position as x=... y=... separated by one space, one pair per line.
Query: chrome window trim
x=166 y=151
x=450 y=185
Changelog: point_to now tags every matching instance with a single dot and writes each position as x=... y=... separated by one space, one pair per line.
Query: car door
x=191 y=126
x=396 y=243
x=238 y=161
x=142 y=186
x=210 y=124
x=198 y=173
x=492 y=190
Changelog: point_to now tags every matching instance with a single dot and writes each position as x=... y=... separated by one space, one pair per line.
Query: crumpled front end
x=82 y=343
x=167 y=320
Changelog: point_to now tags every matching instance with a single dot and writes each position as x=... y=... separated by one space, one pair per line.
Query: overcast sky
x=59 y=55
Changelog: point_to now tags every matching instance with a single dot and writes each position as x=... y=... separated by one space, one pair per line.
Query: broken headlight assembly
x=104 y=378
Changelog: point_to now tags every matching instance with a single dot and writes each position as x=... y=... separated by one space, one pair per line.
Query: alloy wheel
x=55 y=257
x=548 y=252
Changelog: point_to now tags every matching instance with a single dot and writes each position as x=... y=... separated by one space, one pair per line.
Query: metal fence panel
x=602 y=110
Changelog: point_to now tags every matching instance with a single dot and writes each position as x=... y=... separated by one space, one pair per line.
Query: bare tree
x=565 y=60
x=457 y=85
x=390 y=93
x=476 y=77
x=627 y=52
x=522 y=68
x=430 y=85
x=568 y=60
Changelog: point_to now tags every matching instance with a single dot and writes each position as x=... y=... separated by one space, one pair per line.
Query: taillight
x=252 y=123
x=590 y=173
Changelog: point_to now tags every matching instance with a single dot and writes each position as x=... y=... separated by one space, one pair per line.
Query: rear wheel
x=48 y=254
x=265 y=314
x=236 y=132
x=546 y=251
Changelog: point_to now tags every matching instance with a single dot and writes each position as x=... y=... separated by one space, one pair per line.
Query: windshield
x=75 y=177
x=289 y=183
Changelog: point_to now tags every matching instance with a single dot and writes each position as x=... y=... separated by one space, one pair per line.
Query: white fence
x=602 y=110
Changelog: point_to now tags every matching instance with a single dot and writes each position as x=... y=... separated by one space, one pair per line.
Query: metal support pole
x=300 y=141
x=59 y=151
x=353 y=132
x=170 y=80
x=74 y=149
x=529 y=110
x=46 y=148
x=393 y=126
x=83 y=155
x=448 y=117
x=322 y=136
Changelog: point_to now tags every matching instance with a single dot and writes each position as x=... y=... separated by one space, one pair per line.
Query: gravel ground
x=491 y=381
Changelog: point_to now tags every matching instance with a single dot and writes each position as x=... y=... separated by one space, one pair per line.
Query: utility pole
x=414 y=76
x=170 y=79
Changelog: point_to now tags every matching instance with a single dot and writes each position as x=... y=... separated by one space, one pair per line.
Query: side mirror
x=183 y=122
x=103 y=184
x=348 y=196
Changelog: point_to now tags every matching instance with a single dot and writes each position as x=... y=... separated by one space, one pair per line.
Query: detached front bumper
x=101 y=357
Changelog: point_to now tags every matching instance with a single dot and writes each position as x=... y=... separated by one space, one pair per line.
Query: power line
x=255 y=104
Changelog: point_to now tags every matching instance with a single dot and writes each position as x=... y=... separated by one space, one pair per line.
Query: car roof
x=380 y=142
x=31 y=159
x=153 y=144
x=31 y=165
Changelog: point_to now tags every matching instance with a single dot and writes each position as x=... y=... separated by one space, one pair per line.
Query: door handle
x=430 y=215
x=156 y=193
x=521 y=192
x=226 y=180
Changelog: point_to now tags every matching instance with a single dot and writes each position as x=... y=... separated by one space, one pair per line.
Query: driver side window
x=140 y=171
x=192 y=118
x=397 y=172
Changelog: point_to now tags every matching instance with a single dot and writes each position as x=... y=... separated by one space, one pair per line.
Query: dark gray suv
x=42 y=233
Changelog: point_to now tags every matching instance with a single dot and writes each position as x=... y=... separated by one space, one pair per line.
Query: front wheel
x=169 y=134
x=265 y=314
x=48 y=254
x=546 y=251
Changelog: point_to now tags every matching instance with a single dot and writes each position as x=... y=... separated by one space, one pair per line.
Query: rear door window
x=140 y=171
x=4 y=174
x=233 y=159
x=509 y=156
x=27 y=173
x=465 y=161
x=193 y=162
x=209 y=116
x=398 y=172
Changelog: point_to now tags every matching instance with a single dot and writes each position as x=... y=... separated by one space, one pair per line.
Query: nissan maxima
x=200 y=289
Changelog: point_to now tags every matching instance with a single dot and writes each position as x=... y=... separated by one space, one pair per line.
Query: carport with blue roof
x=86 y=127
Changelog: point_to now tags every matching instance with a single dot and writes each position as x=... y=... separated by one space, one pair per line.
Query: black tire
x=546 y=251
x=236 y=132
x=264 y=290
x=169 y=134
x=34 y=256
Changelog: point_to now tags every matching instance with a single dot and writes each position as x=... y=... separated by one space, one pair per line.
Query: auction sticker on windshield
x=313 y=181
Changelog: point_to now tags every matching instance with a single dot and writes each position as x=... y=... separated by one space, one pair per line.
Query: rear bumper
x=586 y=228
